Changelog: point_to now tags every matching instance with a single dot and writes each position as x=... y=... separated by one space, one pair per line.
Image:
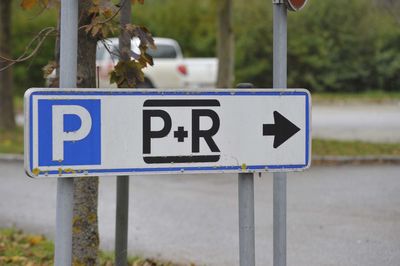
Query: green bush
x=342 y=46
x=191 y=22
x=253 y=42
x=333 y=46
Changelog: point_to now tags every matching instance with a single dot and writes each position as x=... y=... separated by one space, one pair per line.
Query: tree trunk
x=225 y=43
x=85 y=235
x=6 y=87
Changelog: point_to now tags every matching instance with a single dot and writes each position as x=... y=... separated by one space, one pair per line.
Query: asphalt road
x=372 y=122
x=347 y=215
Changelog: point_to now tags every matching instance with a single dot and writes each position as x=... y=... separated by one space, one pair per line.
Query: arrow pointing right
x=283 y=129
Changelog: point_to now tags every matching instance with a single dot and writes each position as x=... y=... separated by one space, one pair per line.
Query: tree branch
x=40 y=38
x=108 y=19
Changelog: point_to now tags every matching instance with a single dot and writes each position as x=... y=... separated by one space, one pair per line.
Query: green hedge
x=344 y=46
x=334 y=45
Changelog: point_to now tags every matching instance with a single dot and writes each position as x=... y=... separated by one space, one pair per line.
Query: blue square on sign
x=69 y=132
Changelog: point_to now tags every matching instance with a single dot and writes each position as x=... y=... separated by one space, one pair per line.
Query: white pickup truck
x=170 y=69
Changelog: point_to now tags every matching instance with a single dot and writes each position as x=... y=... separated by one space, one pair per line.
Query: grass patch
x=377 y=97
x=12 y=141
x=18 y=248
x=324 y=147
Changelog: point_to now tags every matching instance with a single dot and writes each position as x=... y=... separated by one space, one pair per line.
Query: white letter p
x=60 y=136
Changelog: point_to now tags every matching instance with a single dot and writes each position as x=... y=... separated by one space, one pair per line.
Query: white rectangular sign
x=83 y=132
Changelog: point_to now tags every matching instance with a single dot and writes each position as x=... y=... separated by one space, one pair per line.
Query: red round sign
x=295 y=5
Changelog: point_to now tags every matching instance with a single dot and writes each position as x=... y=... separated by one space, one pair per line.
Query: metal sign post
x=280 y=82
x=246 y=220
x=122 y=205
x=68 y=66
x=246 y=213
x=279 y=187
x=121 y=221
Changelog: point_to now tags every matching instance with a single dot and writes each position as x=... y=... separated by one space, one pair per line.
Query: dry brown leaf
x=34 y=240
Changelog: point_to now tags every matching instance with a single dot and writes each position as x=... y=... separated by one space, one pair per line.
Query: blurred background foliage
x=334 y=45
x=25 y=26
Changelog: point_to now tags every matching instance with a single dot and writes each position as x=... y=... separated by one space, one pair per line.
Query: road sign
x=81 y=132
x=295 y=5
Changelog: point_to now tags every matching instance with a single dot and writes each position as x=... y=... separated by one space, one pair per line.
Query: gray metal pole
x=121 y=221
x=68 y=66
x=246 y=212
x=280 y=81
x=246 y=220
x=122 y=210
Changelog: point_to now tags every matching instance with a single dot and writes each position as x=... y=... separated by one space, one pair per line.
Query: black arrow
x=283 y=129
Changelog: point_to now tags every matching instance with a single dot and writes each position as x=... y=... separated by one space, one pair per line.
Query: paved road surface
x=336 y=215
x=377 y=123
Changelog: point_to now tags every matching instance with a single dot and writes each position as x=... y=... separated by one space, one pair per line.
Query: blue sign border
x=228 y=92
